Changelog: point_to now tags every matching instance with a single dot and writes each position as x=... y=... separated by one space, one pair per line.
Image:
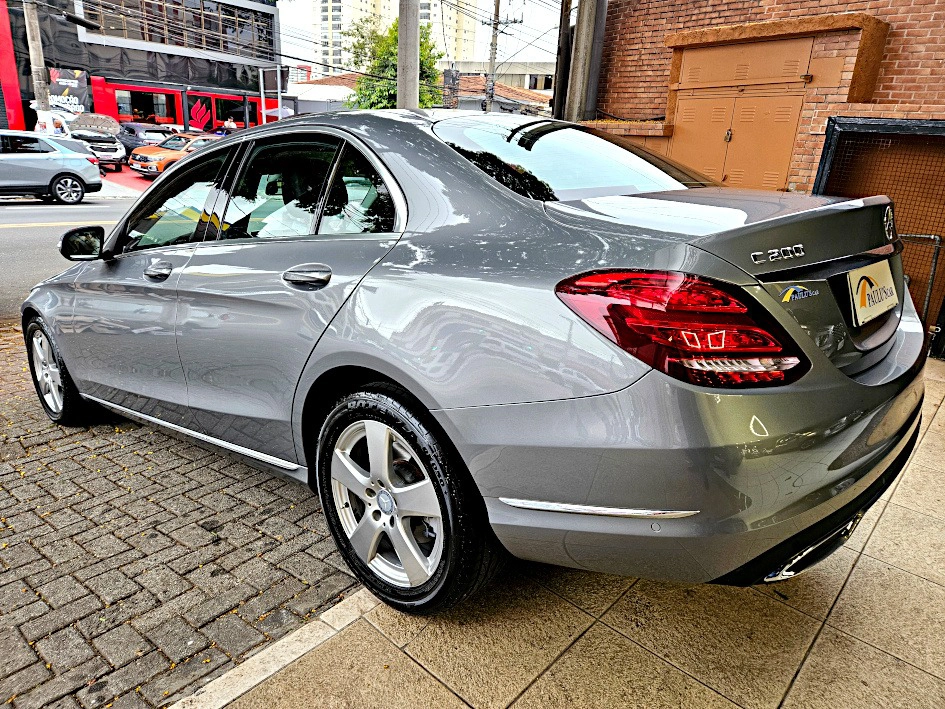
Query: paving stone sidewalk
x=136 y=567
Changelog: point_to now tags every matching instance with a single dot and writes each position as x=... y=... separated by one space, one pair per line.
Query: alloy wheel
x=387 y=504
x=47 y=372
x=68 y=190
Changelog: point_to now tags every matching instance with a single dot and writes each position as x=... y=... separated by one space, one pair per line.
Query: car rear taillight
x=92 y=159
x=686 y=326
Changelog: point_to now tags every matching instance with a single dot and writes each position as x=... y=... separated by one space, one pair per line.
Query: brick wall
x=635 y=68
x=911 y=84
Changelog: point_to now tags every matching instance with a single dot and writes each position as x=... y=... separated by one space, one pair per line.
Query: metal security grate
x=910 y=169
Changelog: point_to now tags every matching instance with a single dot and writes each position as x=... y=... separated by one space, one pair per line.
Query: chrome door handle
x=313 y=275
x=159 y=270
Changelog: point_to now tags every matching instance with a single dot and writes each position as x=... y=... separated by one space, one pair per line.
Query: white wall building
x=452 y=28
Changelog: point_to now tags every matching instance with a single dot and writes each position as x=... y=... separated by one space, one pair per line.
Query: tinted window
x=529 y=158
x=176 y=213
x=73 y=145
x=279 y=191
x=24 y=144
x=175 y=143
x=358 y=201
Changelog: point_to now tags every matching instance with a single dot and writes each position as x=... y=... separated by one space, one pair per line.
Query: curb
x=264 y=664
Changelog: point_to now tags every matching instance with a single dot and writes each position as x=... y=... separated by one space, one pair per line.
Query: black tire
x=117 y=167
x=74 y=411
x=67 y=189
x=469 y=556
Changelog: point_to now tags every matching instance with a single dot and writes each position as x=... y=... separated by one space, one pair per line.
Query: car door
x=255 y=301
x=125 y=349
x=27 y=162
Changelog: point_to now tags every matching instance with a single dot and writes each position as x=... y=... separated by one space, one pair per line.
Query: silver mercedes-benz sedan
x=479 y=335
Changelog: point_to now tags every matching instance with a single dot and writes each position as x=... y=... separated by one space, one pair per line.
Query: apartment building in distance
x=453 y=26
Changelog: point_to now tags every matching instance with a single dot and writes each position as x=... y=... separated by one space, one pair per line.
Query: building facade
x=175 y=62
x=453 y=28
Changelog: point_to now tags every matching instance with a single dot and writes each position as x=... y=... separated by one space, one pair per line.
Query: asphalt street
x=29 y=239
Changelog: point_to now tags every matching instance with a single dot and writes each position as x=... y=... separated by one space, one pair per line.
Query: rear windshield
x=551 y=161
x=155 y=134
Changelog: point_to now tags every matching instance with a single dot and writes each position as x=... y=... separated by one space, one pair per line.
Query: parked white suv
x=47 y=167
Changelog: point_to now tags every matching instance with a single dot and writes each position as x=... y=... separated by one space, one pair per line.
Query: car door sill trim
x=594 y=510
x=270 y=459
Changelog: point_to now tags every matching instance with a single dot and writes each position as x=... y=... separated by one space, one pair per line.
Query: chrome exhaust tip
x=815 y=553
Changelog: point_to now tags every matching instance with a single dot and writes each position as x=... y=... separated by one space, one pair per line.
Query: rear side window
x=73 y=145
x=20 y=144
x=358 y=200
x=551 y=160
x=279 y=191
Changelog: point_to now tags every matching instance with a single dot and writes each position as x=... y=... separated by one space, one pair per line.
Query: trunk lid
x=799 y=248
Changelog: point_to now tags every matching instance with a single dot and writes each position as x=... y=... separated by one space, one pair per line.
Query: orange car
x=152 y=160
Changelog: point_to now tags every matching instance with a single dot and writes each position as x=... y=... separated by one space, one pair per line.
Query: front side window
x=527 y=157
x=24 y=145
x=279 y=192
x=178 y=213
x=358 y=201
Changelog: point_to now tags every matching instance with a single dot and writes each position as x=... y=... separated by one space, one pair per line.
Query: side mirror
x=83 y=244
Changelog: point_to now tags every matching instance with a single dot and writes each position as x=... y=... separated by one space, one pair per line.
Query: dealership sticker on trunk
x=872 y=291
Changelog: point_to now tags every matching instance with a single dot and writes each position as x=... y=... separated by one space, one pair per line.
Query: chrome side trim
x=593 y=510
x=271 y=460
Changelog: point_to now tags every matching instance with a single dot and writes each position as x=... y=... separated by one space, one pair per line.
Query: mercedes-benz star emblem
x=385 y=501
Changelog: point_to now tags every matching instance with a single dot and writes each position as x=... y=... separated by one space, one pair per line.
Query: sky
x=534 y=40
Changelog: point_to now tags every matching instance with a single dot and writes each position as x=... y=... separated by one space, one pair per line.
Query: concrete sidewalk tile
x=605 y=669
x=922 y=489
x=737 y=641
x=894 y=611
x=931 y=450
x=258 y=668
x=814 y=591
x=865 y=528
x=912 y=541
x=842 y=671
x=935 y=370
x=350 y=610
x=594 y=593
x=490 y=648
x=358 y=667
x=400 y=628
x=935 y=388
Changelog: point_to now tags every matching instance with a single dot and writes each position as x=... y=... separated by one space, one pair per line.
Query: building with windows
x=453 y=26
x=177 y=62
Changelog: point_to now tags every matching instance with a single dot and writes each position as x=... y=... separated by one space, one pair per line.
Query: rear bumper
x=93 y=187
x=766 y=473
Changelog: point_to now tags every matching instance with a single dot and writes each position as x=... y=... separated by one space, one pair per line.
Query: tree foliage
x=375 y=52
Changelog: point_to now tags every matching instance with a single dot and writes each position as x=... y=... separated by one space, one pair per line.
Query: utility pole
x=408 y=55
x=586 y=50
x=37 y=63
x=563 y=64
x=490 y=79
